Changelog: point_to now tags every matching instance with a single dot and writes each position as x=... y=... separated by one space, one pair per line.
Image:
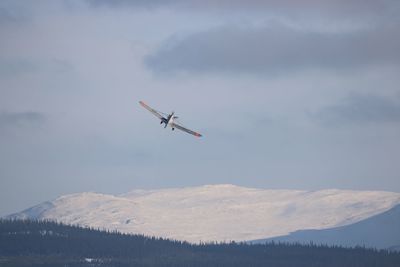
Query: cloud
x=360 y=109
x=6 y=16
x=12 y=12
x=322 y=8
x=275 y=49
x=11 y=67
x=15 y=67
x=17 y=119
x=132 y=3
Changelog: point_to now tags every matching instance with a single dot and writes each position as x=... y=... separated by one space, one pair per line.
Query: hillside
x=215 y=212
x=380 y=231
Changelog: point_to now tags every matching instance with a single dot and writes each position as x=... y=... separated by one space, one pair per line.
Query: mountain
x=215 y=212
x=380 y=231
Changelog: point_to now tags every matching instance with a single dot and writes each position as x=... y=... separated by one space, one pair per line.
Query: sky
x=287 y=94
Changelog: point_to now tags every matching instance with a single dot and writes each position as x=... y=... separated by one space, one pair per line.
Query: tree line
x=47 y=243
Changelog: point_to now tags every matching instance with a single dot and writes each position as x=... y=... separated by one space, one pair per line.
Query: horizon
x=157 y=190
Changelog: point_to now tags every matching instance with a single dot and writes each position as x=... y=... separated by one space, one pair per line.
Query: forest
x=30 y=243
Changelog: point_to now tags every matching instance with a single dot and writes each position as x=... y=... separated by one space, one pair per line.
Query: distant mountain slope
x=215 y=212
x=380 y=231
x=33 y=243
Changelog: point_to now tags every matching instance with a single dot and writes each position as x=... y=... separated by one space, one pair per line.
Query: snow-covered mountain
x=215 y=212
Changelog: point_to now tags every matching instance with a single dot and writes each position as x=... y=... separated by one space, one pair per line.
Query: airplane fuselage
x=170 y=120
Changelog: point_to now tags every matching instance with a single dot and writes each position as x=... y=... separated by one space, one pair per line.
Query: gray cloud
x=59 y=66
x=133 y=3
x=360 y=109
x=16 y=119
x=13 y=67
x=336 y=8
x=13 y=12
x=6 y=16
x=275 y=49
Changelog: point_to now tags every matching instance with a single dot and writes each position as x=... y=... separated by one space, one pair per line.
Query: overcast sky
x=288 y=94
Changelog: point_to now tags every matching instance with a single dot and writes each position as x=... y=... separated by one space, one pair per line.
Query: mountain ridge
x=215 y=212
x=380 y=231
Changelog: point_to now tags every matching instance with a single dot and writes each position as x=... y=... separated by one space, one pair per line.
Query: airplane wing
x=155 y=112
x=177 y=126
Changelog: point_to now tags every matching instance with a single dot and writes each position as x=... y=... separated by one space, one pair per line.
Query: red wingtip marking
x=142 y=103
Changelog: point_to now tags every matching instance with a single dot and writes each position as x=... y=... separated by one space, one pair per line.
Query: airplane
x=168 y=120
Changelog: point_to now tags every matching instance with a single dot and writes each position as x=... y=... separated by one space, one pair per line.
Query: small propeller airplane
x=168 y=120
